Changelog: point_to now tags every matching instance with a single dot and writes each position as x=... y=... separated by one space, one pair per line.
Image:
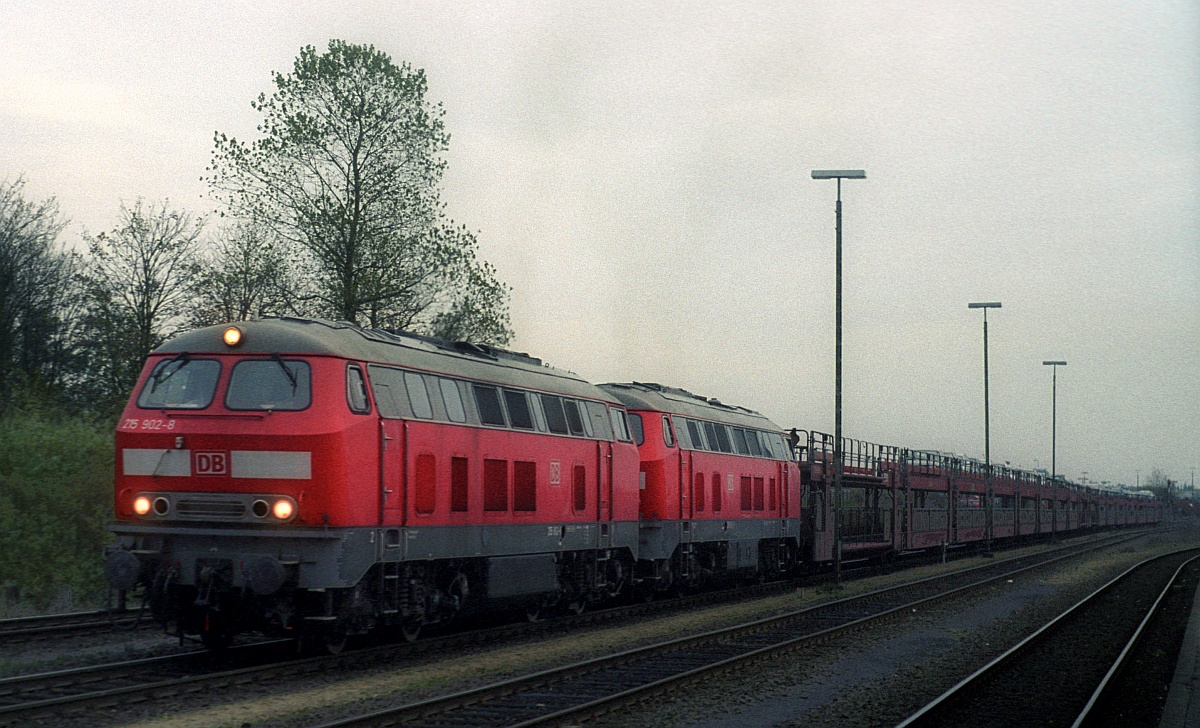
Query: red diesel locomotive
x=310 y=477
x=315 y=479
x=720 y=488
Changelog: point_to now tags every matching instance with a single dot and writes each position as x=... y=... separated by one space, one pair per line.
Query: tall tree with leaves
x=347 y=170
x=138 y=292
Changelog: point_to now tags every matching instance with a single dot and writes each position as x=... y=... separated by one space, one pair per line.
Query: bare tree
x=36 y=290
x=245 y=275
x=138 y=290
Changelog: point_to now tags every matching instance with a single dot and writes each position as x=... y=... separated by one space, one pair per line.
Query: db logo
x=210 y=463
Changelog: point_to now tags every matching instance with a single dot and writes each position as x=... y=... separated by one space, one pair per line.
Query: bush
x=56 y=475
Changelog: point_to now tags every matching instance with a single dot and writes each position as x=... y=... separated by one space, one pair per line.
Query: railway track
x=74 y=690
x=1068 y=672
x=29 y=629
x=592 y=688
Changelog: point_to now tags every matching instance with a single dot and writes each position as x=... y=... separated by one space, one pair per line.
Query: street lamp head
x=839 y=174
x=987 y=304
x=1055 y=363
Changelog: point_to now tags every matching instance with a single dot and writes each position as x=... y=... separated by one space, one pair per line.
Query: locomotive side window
x=453 y=400
x=587 y=421
x=388 y=386
x=752 y=443
x=739 y=441
x=556 y=419
x=518 y=409
x=781 y=450
x=269 y=384
x=574 y=421
x=418 y=396
x=598 y=416
x=180 y=383
x=668 y=439
x=723 y=438
x=694 y=433
x=539 y=417
x=710 y=434
x=635 y=424
x=681 y=433
x=488 y=401
x=356 y=391
x=620 y=425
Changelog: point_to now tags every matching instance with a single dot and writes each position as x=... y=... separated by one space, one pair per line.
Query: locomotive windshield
x=269 y=384
x=180 y=383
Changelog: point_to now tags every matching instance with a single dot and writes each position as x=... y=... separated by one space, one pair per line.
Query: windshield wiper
x=163 y=375
x=290 y=374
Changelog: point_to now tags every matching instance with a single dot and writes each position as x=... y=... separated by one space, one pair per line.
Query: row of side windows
x=716 y=437
x=402 y=394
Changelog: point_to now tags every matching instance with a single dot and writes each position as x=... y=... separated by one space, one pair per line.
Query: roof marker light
x=232 y=336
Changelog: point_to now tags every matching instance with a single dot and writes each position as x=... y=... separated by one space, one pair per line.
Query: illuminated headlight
x=232 y=336
x=283 y=509
x=141 y=505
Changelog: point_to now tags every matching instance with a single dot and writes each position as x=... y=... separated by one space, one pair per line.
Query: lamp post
x=839 y=175
x=987 y=433
x=1054 y=443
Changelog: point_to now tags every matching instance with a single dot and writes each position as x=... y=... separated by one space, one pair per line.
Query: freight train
x=311 y=478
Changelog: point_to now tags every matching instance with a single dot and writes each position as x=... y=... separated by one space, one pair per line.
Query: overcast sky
x=639 y=174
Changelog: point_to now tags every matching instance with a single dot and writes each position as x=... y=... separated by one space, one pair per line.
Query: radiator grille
x=211 y=508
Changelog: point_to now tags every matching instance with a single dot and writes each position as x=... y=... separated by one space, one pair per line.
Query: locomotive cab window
x=356 y=391
x=596 y=417
x=275 y=384
x=667 y=439
x=180 y=383
x=635 y=424
x=453 y=398
x=620 y=424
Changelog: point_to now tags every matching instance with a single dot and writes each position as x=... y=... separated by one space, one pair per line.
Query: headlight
x=141 y=505
x=283 y=509
x=232 y=336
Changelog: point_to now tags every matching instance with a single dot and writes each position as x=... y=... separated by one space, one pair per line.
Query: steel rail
x=927 y=713
x=1105 y=684
x=49 y=624
x=427 y=709
x=154 y=684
